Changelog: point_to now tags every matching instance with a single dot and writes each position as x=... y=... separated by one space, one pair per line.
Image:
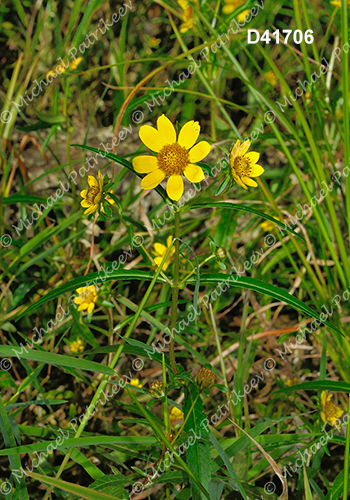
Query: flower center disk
x=93 y=195
x=173 y=159
x=241 y=166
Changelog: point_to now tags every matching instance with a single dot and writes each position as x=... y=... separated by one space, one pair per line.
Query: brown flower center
x=173 y=159
x=93 y=196
x=241 y=166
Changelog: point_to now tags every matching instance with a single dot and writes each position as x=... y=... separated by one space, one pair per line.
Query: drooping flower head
x=161 y=250
x=187 y=15
x=330 y=411
x=87 y=298
x=92 y=197
x=243 y=165
x=175 y=157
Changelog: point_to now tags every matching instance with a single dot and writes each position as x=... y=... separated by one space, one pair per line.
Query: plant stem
x=346 y=459
x=175 y=292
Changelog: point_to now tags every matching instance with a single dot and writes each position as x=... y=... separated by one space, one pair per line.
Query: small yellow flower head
x=268 y=225
x=330 y=411
x=175 y=414
x=243 y=165
x=220 y=253
x=337 y=3
x=87 y=298
x=174 y=157
x=271 y=78
x=232 y=5
x=154 y=42
x=205 y=378
x=50 y=73
x=291 y=381
x=187 y=15
x=136 y=382
x=156 y=389
x=161 y=250
x=92 y=197
x=74 y=64
x=241 y=17
x=76 y=346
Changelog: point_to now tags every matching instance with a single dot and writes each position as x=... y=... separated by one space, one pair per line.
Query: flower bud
x=220 y=253
x=156 y=389
x=205 y=378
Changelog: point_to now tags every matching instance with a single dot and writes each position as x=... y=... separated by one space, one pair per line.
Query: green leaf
x=244 y=208
x=96 y=278
x=55 y=359
x=21 y=198
x=83 y=442
x=40 y=125
x=81 y=491
x=198 y=455
x=316 y=385
x=234 y=280
x=50 y=118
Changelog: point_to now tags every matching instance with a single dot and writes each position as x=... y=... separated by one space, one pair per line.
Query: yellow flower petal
x=100 y=180
x=166 y=130
x=249 y=182
x=193 y=173
x=91 y=307
x=78 y=300
x=175 y=187
x=199 y=151
x=169 y=241
x=253 y=157
x=189 y=134
x=145 y=164
x=160 y=249
x=85 y=204
x=83 y=306
x=239 y=181
x=151 y=138
x=243 y=148
x=92 y=181
x=158 y=260
x=228 y=9
x=323 y=398
x=241 y=16
x=90 y=210
x=235 y=149
x=153 y=179
x=256 y=171
x=83 y=193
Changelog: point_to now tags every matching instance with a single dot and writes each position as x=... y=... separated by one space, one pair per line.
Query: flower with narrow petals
x=74 y=64
x=187 y=15
x=76 y=346
x=330 y=411
x=87 y=298
x=175 y=414
x=174 y=157
x=92 y=197
x=243 y=165
x=161 y=250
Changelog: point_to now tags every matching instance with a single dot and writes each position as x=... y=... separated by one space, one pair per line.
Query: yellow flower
x=76 y=346
x=161 y=250
x=93 y=195
x=136 y=382
x=243 y=164
x=330 y=411
x=74 y=64
x=175 y=414
x=271 y=78
x=173 y=158
x=241 y=16
x=87 y=298
x=187 y=16
x=232 y=5
x=153 y=41
x=268 y=225
x=337 y=3
x=50 y=73
x=291 y=381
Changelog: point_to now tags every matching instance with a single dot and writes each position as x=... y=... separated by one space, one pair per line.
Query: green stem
x=104 y=381
x=346 y=459
x=175 y=292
